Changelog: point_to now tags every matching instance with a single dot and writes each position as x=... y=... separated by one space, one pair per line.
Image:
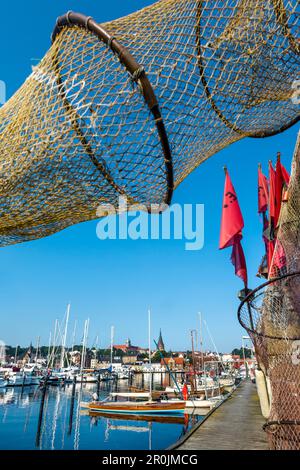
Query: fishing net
x=271 y=314
x=129 y=108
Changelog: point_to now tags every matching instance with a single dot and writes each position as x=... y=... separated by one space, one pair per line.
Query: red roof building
x=129 y=348
x=173 y=362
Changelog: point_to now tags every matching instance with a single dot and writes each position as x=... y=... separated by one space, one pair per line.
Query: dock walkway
x=236 y=424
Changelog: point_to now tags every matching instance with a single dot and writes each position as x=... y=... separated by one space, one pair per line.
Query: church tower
x=160 y=342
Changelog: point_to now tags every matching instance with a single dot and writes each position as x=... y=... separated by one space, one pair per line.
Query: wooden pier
x=235 y=425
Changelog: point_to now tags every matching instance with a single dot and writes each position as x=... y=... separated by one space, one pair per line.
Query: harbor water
x=57 y=419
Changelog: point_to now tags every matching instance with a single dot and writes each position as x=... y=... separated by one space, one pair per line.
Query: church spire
x=160 y=342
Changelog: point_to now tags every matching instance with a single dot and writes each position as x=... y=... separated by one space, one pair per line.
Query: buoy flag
x=263 y=192
x=231 y=229
x=232 y=220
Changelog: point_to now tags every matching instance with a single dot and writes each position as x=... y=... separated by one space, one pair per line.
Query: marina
x=57 y=420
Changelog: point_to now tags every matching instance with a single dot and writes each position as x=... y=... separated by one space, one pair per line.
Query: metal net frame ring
x=281 y=16
x=283 y=434
x=251 y=309
x=279 y=423
x=138 y=76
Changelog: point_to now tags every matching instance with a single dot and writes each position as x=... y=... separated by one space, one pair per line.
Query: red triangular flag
x=271 y=246
x=278 y=261
x=285 y=175
x=239 y=262
x=272 y=177
x=279 y=181
x=286 y=179
x=232 y=219
x=231 y=229
x=263 y=192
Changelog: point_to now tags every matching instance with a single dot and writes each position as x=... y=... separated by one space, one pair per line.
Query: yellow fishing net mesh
x=82 y=130
x=272 y=317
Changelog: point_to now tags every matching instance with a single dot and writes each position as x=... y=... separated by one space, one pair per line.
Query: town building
x=130 y=360
x=173 y=362
x=129 y=348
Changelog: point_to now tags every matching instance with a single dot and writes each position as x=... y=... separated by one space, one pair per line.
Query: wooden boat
x=153 y=418
x=136 y=403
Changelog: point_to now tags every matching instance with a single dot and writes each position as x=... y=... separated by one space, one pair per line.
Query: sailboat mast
x=74 y=335
x=112 y=331
x=193 y=358
x=201 y=340
x=52 y=356
x=37 y=349
x=63 y=348
x=149 y=347
x=49 y=348
x=84 y=343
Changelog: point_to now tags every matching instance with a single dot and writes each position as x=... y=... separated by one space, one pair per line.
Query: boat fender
x=263 y=394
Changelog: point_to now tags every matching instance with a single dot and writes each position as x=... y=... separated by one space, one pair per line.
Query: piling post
x=40 y=420
x=72 y=406
x=98 y=384
x=23 y=383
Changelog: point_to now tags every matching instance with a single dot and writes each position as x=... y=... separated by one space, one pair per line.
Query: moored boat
x=3 y=383
x=136 y=403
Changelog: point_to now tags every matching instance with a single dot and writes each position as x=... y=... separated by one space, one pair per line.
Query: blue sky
x=113 y=282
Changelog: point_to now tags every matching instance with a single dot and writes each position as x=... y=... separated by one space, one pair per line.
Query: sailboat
x=136 y=403
x=140 y=402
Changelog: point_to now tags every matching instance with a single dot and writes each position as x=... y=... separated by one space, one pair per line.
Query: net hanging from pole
x=129 y=108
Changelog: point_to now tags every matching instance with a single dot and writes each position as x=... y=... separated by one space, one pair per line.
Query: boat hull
x=137 y=408
x=169 y=418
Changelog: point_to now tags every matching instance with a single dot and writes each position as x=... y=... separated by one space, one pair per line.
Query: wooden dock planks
x=236 y=424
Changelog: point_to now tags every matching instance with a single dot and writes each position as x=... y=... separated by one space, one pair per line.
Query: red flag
x=271 y=246
x=279 y=181
x=231 y=229
x=285 y=175
x=286 y=179
x=185 y=392
x=239 y=262
x=232 y=219
x=278 y=261
x=263 y=192
x=272 y=177
x=263 y=201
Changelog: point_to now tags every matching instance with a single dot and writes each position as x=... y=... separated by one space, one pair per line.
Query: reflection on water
x=30 y=419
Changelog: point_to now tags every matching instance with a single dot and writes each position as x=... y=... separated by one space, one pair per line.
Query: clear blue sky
x=113 y=282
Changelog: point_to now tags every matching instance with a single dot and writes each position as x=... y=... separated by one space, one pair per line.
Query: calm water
x=64 y=424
